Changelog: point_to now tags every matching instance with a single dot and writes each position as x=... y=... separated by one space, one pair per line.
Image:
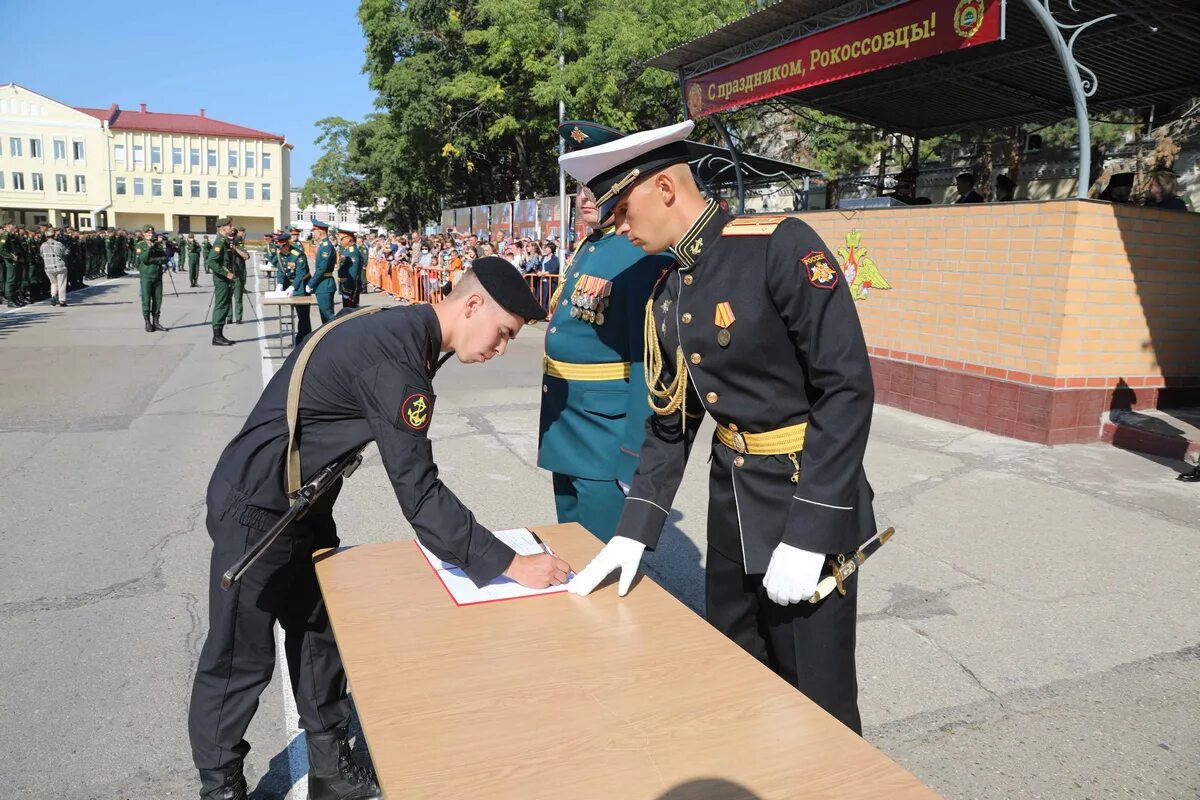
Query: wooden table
x=289 y=328
x=569 y=697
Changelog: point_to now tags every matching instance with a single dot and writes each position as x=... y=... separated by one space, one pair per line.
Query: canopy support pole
x=1080 y=79
x=737 y=167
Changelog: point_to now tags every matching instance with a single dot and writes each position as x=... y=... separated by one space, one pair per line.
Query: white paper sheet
x=465 y=592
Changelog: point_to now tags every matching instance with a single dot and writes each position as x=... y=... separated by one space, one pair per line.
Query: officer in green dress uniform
x=352 y=264
x=220 y=263
x=191 y=251
x=594 y=409
x=323 y=283
x=293 y=275
x=150 y=256
x=754 y=327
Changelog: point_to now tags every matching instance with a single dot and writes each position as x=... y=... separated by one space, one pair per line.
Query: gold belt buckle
x=739 y=441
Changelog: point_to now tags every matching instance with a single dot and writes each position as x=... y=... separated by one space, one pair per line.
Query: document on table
x=463 y=590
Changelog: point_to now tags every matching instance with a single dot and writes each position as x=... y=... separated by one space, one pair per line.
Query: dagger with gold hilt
x=846 y=565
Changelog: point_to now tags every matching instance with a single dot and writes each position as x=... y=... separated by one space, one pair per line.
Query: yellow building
x=91 y=167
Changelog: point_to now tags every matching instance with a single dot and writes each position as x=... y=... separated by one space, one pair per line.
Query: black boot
x=1190 y=477
x=332 y=774
x=223 y=784
x=219 y=336
x=149 y=324
x=156 y=326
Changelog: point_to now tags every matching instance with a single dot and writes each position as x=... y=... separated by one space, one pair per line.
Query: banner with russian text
x=904 y=33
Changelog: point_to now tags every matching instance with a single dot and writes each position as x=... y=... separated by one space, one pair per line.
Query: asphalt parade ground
x=1032 y=631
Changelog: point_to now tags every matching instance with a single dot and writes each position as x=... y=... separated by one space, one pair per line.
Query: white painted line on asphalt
x=89 y=287
x=297 y=749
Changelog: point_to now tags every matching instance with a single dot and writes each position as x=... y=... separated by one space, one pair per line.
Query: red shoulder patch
x=820 y=273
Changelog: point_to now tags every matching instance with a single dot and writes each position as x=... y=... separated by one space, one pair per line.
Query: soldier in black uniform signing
x=366 y=377
x=755 y=327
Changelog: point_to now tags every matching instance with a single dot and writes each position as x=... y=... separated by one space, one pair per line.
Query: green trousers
x=236 y=287
x=8 y=277
x=325 y=305
x=151 y=280
x=193 y=269
x=220 y=311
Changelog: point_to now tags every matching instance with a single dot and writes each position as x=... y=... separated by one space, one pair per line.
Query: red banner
x=914 y=30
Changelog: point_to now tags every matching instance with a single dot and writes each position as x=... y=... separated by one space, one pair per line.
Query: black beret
x=507 y=287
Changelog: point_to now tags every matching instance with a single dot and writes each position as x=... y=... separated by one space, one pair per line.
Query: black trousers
x=809 y=646
x=239 y=653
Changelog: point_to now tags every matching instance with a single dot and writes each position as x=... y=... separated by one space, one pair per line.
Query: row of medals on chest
x=589 y=299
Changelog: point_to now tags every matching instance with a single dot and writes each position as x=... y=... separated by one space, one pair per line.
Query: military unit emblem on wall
x=968 y=18
x=862 y=274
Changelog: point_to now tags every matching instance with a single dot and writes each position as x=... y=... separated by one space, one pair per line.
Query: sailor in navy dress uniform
x=756 y=328
x=594 y=410
x=369 y=380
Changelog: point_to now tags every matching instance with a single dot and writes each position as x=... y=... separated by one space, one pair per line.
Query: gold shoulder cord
x=675 y=394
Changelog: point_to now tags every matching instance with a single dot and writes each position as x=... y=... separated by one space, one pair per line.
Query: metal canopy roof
x=715 y=168
x=1016 y=81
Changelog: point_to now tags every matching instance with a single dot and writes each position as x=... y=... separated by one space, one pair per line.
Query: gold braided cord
x=675 y=394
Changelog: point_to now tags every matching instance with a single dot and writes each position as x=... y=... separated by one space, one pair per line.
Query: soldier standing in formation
x=220 y=264
x=753 y=328
x=205 y=248
x=323 y=283
x=191 y=251
x=594 y=410
x=151 y=256
x=351 y=269
x=8 y=265
x=238 y=288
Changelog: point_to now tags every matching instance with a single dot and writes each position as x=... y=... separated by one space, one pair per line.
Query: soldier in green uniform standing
x=323 y=284
x=205 y=248
x=594 y=410
x=96 y=255
x=8 y=265
x=191 y=250
x=238 y=288
x=351 y=268
x=219 y=262
x=150 y=256
x=293 y=276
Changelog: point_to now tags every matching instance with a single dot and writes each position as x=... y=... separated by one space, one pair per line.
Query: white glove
x=621 y=553
x=291 y=290
x=792 y=574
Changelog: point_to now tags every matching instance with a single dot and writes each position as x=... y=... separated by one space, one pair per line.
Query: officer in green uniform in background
x=191 y=251
x=351 y=268
x=219 y=262
x=293 y=276
x=238 y=288
x=205 y=248
x=109 y=237
x=8 y=264
x=594 y=410
x=150 y=257
x=322 y=284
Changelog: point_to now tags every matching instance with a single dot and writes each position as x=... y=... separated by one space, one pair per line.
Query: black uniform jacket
x=795 y=354
x=368 y=379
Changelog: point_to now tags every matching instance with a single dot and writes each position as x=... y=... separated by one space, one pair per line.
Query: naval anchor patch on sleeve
x=820 y=274
x=417 y=409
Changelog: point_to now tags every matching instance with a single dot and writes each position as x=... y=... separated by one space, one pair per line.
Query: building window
x=212 y=190
x=156 y=187
x=176 y=188
x=14 y=146
x=212 y=157
x=85 y=222
x=176 y=156
x=60 y=150
x=77 y=151
x=18 y=182
x=194 y=156
x=62 y=186
x=118 y=152
x=249 y=159
x=139 y=187
x=233 y=190
x=38 y=186
x=266 y=191
x=1 y=180
x=35 y=148
x=249 y=190
x=80 y=183
x=194 y=189
x=233 y=159
x=139 y=154
x=266 y=160
x=156 y=155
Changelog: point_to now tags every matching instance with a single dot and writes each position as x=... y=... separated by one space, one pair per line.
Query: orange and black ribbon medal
x=723 y=320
